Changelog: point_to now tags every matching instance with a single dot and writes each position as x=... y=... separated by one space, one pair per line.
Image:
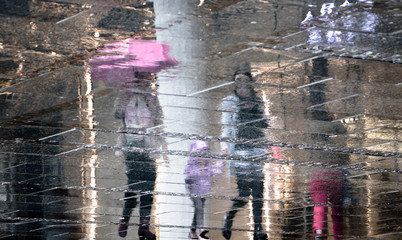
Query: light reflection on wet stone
x=110 y=129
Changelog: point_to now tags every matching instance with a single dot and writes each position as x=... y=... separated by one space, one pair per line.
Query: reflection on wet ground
x=188 y=119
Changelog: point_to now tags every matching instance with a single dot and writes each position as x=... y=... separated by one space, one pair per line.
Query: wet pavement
x=173 y=119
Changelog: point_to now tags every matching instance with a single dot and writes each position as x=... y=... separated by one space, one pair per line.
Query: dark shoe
x=226 y=233
x=260 y=236
x=145 y=234
x=227 y=226
x=203 y=234
x=123 y=226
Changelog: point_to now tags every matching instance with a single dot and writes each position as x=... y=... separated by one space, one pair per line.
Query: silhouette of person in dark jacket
x=243 y=118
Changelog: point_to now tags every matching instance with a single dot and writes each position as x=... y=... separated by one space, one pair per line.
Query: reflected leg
x=318 y=190
x=228 y=221
x=319 y=220
x=198 y=217
x=336 y=200
x=130 y=202
x=244 y=187
x=327 y=186
x=147 y=175
x=337 y=221
x=140 y=177
x=257 y=193
x=146 y=202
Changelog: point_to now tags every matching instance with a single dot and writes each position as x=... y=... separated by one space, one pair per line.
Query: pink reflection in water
x=120 y=61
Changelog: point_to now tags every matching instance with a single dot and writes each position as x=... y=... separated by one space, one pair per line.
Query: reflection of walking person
x=243 y=118
x=327 y=186
x=139 y=109
x=131 y=64
x=199 y=173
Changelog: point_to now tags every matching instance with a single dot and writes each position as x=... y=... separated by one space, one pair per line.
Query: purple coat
x=200 y=171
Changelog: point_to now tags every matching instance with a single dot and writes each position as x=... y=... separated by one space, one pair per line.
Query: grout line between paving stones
x=302 y=31
x=74 y=16
x=316 y=82
x=70 y=151
x=209 y=89
x=57 y=134
x=336 y=100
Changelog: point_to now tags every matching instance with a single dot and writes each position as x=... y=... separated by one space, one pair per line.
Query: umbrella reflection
x=122 y=62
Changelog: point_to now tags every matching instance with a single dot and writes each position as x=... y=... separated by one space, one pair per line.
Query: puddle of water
x=171 y=129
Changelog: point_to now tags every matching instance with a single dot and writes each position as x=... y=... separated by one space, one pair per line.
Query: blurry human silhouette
x=138 y=108
x=199 y=173
x=130 y=66
x=243 y=118
x=327 y=185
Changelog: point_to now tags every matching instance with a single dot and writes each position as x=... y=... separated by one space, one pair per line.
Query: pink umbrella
x=120 y=61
